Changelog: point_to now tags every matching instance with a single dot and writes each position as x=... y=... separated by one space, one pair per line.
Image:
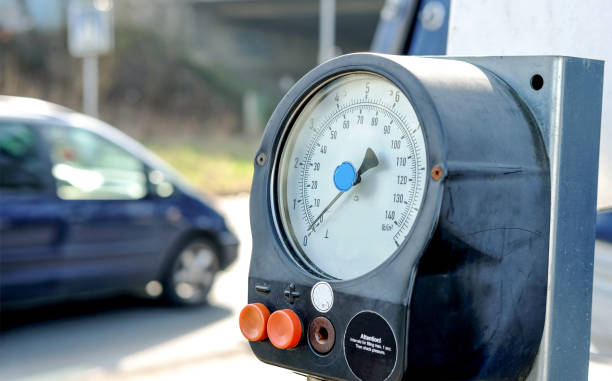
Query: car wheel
x=192 y=273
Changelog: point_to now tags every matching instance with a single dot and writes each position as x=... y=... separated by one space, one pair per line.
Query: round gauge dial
x=352 y=175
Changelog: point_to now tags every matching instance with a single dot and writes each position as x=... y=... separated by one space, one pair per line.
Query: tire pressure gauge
x=353 y=167
x=400 y=215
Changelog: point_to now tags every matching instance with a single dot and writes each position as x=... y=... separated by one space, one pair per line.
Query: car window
x=89 y=167
x=21 y=164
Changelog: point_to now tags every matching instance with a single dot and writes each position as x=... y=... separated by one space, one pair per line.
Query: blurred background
x=193 y=82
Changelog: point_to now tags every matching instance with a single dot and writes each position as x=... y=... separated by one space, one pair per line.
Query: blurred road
x=130 y=339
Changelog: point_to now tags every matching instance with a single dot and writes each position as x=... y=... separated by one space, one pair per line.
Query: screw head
x=261 y=159
x=436 y=173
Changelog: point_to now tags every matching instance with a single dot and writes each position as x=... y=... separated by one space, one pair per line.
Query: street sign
x=90 y=28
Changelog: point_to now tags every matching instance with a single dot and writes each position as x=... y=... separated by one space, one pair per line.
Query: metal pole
x=90 y=85
x=250 y=114
x=327 y=30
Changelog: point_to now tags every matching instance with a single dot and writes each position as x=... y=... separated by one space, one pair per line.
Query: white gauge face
x=352 y=175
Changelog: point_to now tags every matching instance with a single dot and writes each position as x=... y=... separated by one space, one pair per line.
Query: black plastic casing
x=465 y=293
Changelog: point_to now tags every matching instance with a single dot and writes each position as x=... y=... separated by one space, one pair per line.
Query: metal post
x=327 y=30
x=250 y=114
x=90 y=85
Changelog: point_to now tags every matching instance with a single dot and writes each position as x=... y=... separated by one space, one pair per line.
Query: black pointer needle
x=369 y=161
x=345 y=178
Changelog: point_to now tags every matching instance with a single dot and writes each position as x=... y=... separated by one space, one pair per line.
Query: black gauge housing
x=464 y=296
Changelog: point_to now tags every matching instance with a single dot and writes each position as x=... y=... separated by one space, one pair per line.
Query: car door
x=113 y=227
x=32 y=231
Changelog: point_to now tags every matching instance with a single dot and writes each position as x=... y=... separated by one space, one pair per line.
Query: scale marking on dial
x=351 y=181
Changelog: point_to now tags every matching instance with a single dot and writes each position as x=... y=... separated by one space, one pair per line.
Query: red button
x=253 y=321
x=284 y=329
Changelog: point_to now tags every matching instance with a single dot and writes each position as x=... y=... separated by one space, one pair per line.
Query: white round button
x=322 y=296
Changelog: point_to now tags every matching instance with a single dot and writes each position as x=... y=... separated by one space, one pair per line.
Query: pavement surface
x=133 y=339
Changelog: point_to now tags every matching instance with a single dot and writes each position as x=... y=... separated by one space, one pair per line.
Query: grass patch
x=215 y=165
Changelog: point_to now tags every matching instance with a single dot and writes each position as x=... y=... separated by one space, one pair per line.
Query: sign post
x=90 y=33
x=327 y=30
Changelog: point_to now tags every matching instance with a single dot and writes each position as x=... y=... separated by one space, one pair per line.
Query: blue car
x=85 y=210
x=601 y=334
x=604 y=225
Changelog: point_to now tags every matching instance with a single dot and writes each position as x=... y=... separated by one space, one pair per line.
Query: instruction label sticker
x=369 y=347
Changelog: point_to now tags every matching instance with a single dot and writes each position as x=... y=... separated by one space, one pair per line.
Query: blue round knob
x=344 y=176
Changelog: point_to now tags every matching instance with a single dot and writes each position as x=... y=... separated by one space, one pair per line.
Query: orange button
x=253 y=319
x=284 y=329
